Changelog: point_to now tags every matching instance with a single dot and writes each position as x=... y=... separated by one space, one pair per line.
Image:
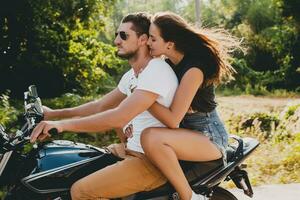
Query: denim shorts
x=210 y=125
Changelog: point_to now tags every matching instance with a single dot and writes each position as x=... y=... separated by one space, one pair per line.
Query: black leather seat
x=193 y=171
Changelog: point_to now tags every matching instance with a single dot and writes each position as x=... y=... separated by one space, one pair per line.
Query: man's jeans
x=133 y=174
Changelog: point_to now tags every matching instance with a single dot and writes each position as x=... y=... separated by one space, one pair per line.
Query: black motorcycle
x=47 y=171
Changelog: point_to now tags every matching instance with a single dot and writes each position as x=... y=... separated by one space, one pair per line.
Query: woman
x=200 y=64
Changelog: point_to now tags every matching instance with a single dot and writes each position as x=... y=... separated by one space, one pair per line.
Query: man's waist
x=121 y=150
x=134 y=145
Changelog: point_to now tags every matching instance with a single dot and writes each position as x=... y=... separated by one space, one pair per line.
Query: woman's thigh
x=187 y=144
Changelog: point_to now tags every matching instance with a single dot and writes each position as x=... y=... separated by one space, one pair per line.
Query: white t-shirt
x=159 y=78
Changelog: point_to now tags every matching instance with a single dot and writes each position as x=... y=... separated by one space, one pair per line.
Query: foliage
x=66 y=101
x=267 y=126
x=266 y=121
x=277 y=158
x=275 y=162
x=149 y=6
x=259 y=125
x=269 y=31
x=66 y=46
x=291 y=110
x=7 y=112
x=267 y=28
x=58 y=45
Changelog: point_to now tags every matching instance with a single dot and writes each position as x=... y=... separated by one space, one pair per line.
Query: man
x=149 y=80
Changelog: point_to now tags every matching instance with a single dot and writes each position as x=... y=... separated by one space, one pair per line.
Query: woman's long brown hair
x=214 y=46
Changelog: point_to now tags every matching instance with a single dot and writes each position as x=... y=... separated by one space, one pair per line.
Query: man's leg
x=133 y=174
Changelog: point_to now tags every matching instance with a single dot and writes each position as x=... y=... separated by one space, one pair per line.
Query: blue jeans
x=210 y=125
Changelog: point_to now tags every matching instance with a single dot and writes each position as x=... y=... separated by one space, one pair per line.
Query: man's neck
x=139 y=62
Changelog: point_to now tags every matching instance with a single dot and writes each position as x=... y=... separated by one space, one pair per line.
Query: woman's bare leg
x=166 y=146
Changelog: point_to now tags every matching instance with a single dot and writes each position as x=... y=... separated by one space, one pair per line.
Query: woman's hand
x=41 y=131
x=128 y=131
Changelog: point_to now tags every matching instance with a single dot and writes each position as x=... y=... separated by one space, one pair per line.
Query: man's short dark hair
x=141 y=22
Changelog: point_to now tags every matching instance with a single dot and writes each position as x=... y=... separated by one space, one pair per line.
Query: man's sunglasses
x=123 y=35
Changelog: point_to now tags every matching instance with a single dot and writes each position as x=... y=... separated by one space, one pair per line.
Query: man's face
x=126 y=41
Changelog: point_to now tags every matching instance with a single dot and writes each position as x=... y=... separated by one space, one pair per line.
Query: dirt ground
x=233 y=105
x=271 y=192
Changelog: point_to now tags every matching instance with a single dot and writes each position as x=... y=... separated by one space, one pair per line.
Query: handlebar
x=32 y=103
x=33 y=115
x=53 y=132
x=33 y=91
x=33 y=106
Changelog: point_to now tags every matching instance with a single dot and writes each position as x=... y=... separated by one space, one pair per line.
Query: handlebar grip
x=53 y=131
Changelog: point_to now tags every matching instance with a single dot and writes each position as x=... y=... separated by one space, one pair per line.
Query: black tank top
x=204 y=100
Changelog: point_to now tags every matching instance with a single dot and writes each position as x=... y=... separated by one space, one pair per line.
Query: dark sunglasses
x=123 y=35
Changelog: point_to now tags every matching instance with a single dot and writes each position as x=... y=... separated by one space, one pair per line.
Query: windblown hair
x=141 y=22
x=212 y=46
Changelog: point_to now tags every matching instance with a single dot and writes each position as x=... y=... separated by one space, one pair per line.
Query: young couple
x=154 y=97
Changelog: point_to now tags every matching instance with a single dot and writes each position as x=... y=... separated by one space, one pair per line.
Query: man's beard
x=127 y=55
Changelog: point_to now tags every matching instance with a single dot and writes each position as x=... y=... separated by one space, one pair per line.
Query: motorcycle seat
x=193 y=171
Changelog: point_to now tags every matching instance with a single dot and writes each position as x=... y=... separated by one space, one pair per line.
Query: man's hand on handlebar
x=41 y=131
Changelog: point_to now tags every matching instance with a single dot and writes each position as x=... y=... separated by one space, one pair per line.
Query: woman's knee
x=150 y=137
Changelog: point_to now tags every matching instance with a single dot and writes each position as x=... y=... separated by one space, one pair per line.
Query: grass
x=276 y=123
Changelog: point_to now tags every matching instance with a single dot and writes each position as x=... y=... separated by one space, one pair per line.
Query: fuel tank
x=60 y=163
x=60 y=153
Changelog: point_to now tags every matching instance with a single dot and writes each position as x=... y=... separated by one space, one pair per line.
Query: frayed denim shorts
x=210 y=125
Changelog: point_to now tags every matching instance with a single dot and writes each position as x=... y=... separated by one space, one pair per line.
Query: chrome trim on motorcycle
x=4 y=160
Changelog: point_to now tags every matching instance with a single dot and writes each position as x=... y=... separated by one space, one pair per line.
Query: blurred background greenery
x=65 y=47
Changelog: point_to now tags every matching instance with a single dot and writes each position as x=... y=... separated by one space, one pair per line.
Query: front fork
x=241 y=180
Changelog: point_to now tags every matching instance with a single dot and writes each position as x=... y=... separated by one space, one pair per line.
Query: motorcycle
x=48 y=169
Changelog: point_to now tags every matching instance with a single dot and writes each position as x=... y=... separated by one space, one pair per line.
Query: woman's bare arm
x=171 y=117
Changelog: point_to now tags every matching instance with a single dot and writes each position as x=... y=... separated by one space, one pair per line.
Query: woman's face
x=156 y=43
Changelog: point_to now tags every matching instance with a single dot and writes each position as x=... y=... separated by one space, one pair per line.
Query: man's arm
x=109 y=101
x=117 y=117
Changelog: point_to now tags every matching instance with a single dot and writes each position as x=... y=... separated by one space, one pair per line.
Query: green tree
x=59 y=45
x=269 y=30
x=123 y=7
